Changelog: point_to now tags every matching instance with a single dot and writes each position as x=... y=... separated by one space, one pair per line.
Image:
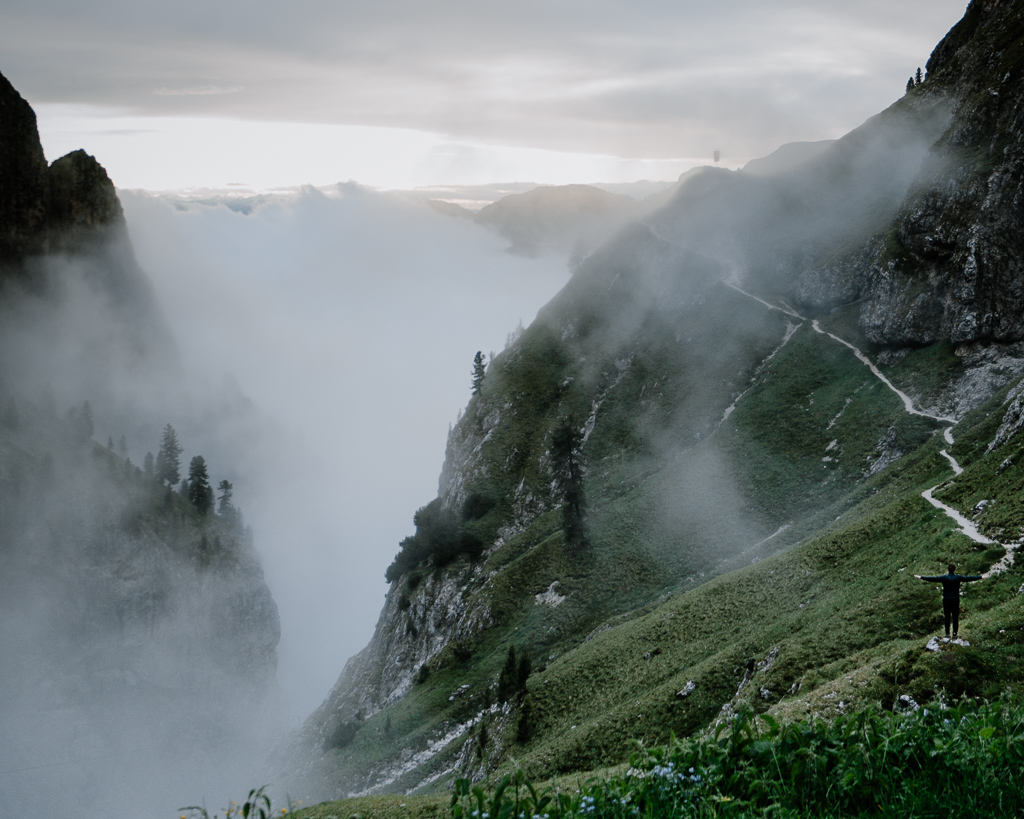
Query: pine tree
x=481 y=740
x=910 y=85
x=199 y=491
x=168 y=459
x=224 y=506
x=523 y=728
x=147 y=464
x=523 y=673
x=918 y=79
x=565 y=444
x=509 y=677
x=479 y=371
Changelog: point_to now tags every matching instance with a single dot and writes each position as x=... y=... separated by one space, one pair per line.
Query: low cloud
x=200 y=91
x=654 y=81
x=351 y=319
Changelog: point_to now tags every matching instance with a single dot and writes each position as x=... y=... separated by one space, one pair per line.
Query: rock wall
x=952 y=263
x=134 y=627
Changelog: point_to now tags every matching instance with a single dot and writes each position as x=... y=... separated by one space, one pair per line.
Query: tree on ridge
x=168 y=459
x=479 y=371
x=200 y=493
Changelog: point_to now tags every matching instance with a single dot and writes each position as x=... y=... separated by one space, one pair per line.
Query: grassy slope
x=847 y=618
x=841 y=607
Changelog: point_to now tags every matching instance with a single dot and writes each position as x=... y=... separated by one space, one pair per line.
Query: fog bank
x=351 y=319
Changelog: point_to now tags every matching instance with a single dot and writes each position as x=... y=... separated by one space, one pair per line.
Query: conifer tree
x=479 y=371
x=200 y=494
x=523 y=673
x=523 y=728
x=168 y=459
x=910 y=85
x=509 y=677
x=147 y=464
x=565 y=444
x=918 y=79
x=224 y=506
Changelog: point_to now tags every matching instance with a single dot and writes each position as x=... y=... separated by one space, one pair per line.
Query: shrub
x=439 y=539
x=477 y=505
x=961 y=760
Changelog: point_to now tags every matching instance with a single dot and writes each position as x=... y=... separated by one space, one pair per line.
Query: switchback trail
x=966 y=526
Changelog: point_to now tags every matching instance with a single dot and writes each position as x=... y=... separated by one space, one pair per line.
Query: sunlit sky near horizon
x=400 y=94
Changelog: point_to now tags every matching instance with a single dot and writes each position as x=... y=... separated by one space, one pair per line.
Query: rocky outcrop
x=62 y=224
x=64 y=207
x=135 y=628
x=416 y=629
x=951 y=266
x=23 y=195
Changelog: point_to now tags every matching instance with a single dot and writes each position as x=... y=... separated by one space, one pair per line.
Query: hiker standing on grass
x=951 y=595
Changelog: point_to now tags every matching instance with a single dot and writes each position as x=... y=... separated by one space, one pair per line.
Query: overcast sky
x=399 y=93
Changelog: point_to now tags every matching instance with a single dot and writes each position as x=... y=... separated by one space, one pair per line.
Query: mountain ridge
x=137 y=626
x=755 y=489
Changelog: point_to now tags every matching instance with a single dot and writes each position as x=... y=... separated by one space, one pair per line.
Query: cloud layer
x=351 y=320
x=654 y=80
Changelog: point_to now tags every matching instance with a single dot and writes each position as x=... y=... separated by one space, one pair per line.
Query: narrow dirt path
x=966 y=526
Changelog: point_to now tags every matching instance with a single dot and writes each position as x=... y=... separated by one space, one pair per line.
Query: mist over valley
x=377 y=495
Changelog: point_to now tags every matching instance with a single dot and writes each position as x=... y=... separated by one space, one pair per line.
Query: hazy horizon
x=398 y=96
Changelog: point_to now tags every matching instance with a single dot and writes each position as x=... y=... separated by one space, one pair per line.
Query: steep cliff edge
x=62 y=225
x=949 y=267
x=138 y=633
x=729 y=399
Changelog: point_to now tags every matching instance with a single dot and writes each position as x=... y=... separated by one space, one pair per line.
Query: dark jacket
x=951 y=583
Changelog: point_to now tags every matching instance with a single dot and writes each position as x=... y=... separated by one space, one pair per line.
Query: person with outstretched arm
x=951 y=595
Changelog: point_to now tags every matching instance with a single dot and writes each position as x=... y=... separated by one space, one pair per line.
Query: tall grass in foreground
x=953 y=760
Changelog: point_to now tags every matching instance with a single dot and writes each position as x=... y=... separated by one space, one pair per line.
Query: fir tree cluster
x=166 y=468
x=915 y=81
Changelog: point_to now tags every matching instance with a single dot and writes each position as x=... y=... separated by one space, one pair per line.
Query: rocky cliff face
x=44 y=208
x=69 y=211
x=950 y=265
x=134 y=627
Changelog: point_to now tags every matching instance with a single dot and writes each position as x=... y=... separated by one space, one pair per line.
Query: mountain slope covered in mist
x=136 y=628
x=571 y=219
x=708 y=472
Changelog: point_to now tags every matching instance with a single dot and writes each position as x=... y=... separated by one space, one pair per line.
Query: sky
x=406 y=93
